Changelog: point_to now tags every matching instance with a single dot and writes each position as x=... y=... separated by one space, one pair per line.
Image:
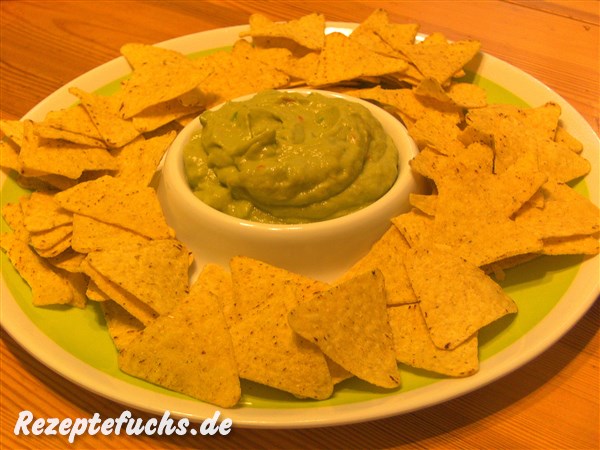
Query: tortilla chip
x=303 y=68
x=155 y=272
x=410 y=105
x=274 y=57
x=9 y=156
x=485 y=239
x=441 y=61
x=414 y=346
x=56 y=250
x=236 y=74
x=463 y=95
x=424 y=203
x=53 y=156
x=568 y=140
x=75 y=120
x=498 y=268
x=350 y=325
x=122 y=326
x=68 y=260
x=437 y=38
x=14 y=217
x=45 y=182
x=78 y=282
x=91 y=235
x=435 y=131
x=47 y=132
x=13 y=130
x=430 y=87
x=517 y=131
x=45 y=240
x=93 y=292
x=415 y=226
x=457 y=157
x=368 y=38
x=337 y=372
x=104 y=111
x=467 y=95
x=189 y=351
x=565 y=213
x=456 y=297
x=308 y=31
x=41 y=212
x=560 y=162
x=217 y=280
x=343 y=59
x=159 y=75
x=395 y=35
x=47 y=286
x=266 y=348
x=155 y=116
x=464 y=190
x=387 y=255
x=114 y=201
x=139 y=160
x=110 y=290
x=572 y=245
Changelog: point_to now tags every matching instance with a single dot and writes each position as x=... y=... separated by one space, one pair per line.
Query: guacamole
x=288 y=157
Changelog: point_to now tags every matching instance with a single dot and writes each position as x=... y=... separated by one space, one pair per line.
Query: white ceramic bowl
x=322 y=250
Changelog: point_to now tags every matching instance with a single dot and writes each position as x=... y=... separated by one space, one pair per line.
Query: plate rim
x=502 y=363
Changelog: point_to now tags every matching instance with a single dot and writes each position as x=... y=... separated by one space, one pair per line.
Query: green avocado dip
x=288 y=157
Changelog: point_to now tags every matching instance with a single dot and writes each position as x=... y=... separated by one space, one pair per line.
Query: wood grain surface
x=550 y=403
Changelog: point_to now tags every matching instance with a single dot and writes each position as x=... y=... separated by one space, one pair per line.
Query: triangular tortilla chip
x=572 y=245
x=349 y=323
x=159 y=75
x=156 y=272
x=139 y=160
x=456 y=297
x=343 y=59
x=564 y=213
x=47 y=132
x=441 y=61
x=39 y=156
x=47 y=286
x=45 y=240
x=414 y=346
x=387 y=255
x=518 y=131
x=75 y=120
x=109 y=290
x=13 y=130
x=415 y=226
x=122 y=326
x=189 y=351
x=235 y=74
x=395 y=35
x=90 y=235
x=156 y=116
x=15 y=219
x=113 y=200
x=41 y=212
x=368 y=38
x=104 y=111
x=69 y=260
x=308 y=31
x=266 y=348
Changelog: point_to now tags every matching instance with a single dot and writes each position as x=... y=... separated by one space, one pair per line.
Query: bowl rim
x=173 y=165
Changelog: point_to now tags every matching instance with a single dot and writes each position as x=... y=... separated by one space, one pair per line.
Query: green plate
x=537 y=287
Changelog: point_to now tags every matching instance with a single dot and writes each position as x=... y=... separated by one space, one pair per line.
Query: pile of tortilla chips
x=92 y=227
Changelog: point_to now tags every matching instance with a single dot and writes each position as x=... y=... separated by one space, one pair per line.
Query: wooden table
x=552 y=402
